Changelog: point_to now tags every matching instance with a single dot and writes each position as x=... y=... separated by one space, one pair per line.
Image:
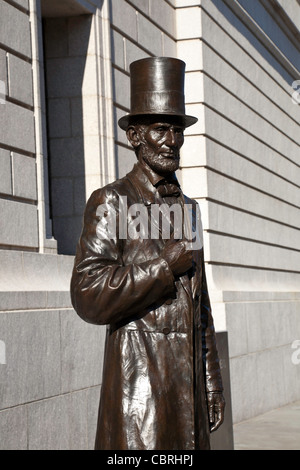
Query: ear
x=133 y=136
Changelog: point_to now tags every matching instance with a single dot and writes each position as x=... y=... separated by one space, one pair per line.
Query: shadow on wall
x=261 y=17
x=66 y=43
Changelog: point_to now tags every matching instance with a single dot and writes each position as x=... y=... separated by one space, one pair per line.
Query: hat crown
x=157 y=88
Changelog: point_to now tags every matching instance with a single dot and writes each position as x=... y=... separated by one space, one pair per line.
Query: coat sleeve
x=103 y=289
x=209 y=346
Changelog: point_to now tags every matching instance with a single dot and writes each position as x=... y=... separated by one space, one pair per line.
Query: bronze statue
x=162 y=387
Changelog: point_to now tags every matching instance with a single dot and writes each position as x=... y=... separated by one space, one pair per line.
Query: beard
x=159 y=162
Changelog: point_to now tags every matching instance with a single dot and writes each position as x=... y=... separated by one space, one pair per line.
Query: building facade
x=64 y=83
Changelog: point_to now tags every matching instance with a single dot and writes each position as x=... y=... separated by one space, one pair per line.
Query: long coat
x=160 y=354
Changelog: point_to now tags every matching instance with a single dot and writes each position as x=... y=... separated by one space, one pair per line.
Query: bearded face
x=158 y=144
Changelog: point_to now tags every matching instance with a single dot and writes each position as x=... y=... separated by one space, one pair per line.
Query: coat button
x=169 y=302
x=166 y=331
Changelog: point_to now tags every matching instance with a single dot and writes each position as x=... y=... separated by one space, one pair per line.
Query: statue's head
x=157 y=142
x=157 y=118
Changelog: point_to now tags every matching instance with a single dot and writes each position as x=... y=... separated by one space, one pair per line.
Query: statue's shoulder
x=110 y=192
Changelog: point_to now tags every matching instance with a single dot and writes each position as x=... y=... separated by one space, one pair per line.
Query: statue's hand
x=178 y=256
x=216 y=408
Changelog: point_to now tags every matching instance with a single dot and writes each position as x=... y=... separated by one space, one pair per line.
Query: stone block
x=3 y=73
x=193 y=152
x=67 y=157
x=236 y=324
x=190 y=51
x=18 y=224
x=17 y=127
x=163 y=14
x=59 y=118
x=169 y=46
x=194 y=182
x=188 y=21
x=82 y=352
x=47 y=272
x=226 y=220
x=67 y=232
x=59 y=299
x=56 y=37
x=62 y=197
x=273 y=30
x=85 y=116
x=133 y=53
x=5 y=176
x=10 y=269
x=81 y=35
x=79 y=195
x=224 y=249
x=149 y=36
x=258 y=65
x=186 y=3
x=196 y=110
x=249 y=173
x=239 y=113
x=13 y=429
x=123 y=17
x=194 y=87
x=141 y=5
x=244 y=386
x=249 y=93
x=239 y=141
x=245 y=279
x=32 y=369
x=93 y=399
x=292 y=373
x=20 y=80
x=22 y=3
x=92 y=158
x=24 y=176
x=117 y=49
x=13 y=20
x=120 y=135
x=65 y=76
x=126 y=158
x=59 y=423
x=121 y=87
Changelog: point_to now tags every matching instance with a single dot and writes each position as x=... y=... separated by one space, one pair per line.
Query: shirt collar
x=155 y=179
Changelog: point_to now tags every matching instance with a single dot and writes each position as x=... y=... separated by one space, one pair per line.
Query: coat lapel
x=148 y=195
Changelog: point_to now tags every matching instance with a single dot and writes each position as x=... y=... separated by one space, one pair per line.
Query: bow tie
x=167 y=189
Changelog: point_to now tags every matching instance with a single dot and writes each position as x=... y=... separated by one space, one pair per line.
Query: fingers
x=217 y=418
x=216 y=409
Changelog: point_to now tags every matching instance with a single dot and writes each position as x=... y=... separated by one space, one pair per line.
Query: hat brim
x=188 y=121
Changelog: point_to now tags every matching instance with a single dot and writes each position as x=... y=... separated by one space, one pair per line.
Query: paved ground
x=276 y=430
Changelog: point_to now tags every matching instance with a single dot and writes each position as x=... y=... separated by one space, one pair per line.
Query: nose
x=171 y=140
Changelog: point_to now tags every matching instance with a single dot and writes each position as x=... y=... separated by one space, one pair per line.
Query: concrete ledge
x=34 y=272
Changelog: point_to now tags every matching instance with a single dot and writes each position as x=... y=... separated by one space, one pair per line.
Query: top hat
x=157 y=88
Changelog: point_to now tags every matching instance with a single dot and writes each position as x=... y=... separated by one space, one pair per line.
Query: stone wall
x=241 y=162
x=17 y=143
x=138 y=29
x=49 y=375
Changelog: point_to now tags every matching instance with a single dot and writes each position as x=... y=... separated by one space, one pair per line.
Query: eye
x=161 y=129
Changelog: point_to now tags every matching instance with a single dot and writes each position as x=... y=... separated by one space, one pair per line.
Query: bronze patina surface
x=162 y=387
